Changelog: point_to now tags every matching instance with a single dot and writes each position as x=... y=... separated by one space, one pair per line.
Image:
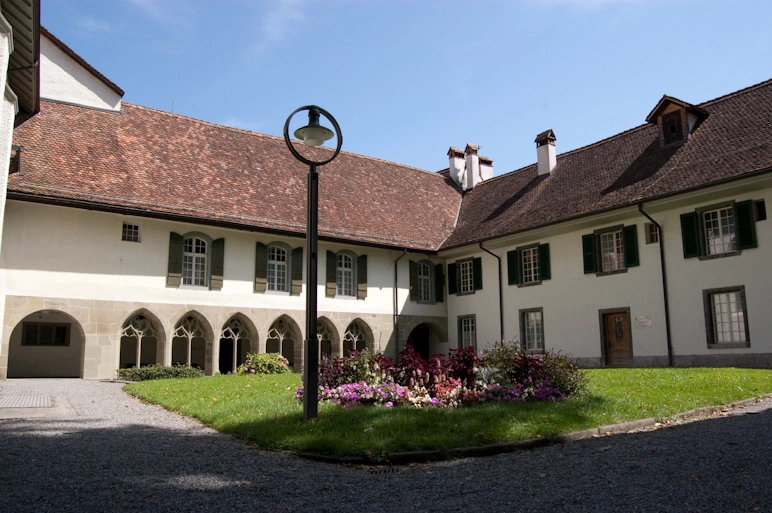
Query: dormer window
x=672 y=127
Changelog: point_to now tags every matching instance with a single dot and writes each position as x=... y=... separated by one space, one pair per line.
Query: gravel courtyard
x=97 y=449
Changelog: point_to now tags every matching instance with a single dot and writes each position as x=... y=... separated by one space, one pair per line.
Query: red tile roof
x=734 y=141
x=158 y=164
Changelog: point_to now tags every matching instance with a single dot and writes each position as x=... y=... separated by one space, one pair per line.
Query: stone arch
x=329 y=339
x=425 y=339
x=358 y=336
x=284 y=337
x=48 y=343
x=192 y=340
x=143 y=331
x=408 y=323
x=237 y=337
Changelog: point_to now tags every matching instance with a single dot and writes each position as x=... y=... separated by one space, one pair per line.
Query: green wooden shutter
x=690 y=234
x=588 y=252
x=452 y=279
x=477 y=273
x=331 y=287
x=413 y=281
x=439 y=284
x=630 y=241
x=362 y=277
x=746 y=225
x=174 y=270
x=297 y=272
x=545 y=272
x=218 y=264
x=261 y=267
x=512 y=267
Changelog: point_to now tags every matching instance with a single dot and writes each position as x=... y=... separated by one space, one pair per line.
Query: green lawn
x=262 y=410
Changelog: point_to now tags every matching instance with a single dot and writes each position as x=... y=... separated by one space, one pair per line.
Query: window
x=529 y=265
x=652 y=233
x=610 y=250
x=426 y=282
x=726 y=321
x=532 y=330
x=277 y=269
x=672 y=128
x=346 y=275
x=194 y=262
x=45 y=334
x=467 y=331
x=130 y=232
x=719 y=230
x=465 y=276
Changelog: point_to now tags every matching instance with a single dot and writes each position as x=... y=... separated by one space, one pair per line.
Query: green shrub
x=264 y=363
x=563 y=373
x=157 y=371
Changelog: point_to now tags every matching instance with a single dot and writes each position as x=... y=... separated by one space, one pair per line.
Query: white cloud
x=93 y=25
x=278 y=23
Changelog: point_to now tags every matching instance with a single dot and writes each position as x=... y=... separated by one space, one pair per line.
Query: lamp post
x=312 y=134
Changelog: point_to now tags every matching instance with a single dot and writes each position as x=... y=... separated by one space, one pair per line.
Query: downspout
x=501 y=299
x=396 y=307
x=664 y=284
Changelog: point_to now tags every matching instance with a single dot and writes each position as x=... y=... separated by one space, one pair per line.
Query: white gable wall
x=63 y=79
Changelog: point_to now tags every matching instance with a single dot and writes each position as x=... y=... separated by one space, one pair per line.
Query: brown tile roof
x=158 y=164
x=734 y=141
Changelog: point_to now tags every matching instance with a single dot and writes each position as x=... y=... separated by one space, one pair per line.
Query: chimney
x=456 y=164
x=545 y=152
x=472 y=167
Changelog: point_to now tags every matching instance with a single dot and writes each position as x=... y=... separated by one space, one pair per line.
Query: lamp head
x=314 y=134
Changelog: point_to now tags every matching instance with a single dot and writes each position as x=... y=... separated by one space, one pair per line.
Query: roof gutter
x=664 y=284
x=396 y=306
x=501 y=297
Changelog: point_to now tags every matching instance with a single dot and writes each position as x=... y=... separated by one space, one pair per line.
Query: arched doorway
x=139 y=343
x=281 y=339
x=189 y=343
x=46 y=344
x=235 y=343
x=425 y=339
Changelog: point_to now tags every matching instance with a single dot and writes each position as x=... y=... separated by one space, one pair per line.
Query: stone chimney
x=467 y=168
x=545 y=152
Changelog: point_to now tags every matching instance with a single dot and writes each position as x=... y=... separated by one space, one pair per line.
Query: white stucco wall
x=63 y=79
x=73 y=253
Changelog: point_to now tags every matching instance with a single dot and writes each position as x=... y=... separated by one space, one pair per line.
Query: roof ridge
x=738 y=92
x=280 y=138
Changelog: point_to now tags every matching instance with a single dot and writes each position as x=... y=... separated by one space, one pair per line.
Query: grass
x=261 y=409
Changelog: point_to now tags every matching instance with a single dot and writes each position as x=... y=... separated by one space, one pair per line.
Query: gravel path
x=105 y=451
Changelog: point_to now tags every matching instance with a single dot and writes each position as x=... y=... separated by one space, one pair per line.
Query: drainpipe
x=501 y=300
x=664 y=284
x=396 y=308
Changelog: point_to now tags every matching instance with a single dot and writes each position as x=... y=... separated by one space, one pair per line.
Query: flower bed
x=502 y=373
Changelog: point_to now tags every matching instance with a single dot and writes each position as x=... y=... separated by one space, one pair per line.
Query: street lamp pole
x=312 y=135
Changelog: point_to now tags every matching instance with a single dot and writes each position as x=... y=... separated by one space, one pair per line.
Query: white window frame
x=726 y=317
x=277 y=269
x=466 y=276
x=425 y=273
x=719 y=230
x=612 y=250
x=130 y=232
x=529 y=265
x=467 y=331
x=345 y=275
x=532 y=330
x=195 y=263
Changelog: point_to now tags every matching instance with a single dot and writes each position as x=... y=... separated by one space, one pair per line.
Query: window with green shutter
x=719 y=230
x=610 y=250
x=529 y=265
x=218 y=264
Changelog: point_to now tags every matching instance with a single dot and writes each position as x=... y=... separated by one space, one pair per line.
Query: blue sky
x=407 y=79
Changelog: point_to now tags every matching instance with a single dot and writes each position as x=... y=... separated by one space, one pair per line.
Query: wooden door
x=619 y=347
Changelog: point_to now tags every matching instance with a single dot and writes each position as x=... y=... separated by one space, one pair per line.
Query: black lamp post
x=312 y=135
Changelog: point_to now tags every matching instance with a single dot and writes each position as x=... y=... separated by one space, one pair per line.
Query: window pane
x=530 y=265
x=719 y=228
x=728 y=318
x=612 y=251
x=467 y=276
x=46 y=335
x=30 y=334
x=60 y=336
x=345 y=275
x=534 y=331
x=424 y=283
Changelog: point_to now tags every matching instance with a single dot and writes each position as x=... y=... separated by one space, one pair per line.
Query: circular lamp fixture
x=314 y=134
